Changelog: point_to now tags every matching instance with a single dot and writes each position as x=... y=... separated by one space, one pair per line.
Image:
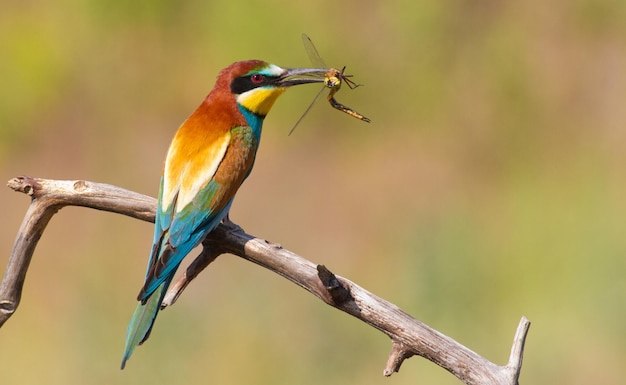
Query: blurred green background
x=490 y=184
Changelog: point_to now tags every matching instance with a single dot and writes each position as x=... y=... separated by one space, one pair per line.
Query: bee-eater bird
x=210 y=156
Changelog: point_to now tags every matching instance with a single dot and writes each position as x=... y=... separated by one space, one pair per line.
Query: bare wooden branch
x=48 y=197
x=409 y=336
x=398 y=354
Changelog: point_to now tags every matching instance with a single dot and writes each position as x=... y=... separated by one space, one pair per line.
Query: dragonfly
x=332 y=81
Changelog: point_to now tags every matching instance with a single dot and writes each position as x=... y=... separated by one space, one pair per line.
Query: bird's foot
x=230 y=225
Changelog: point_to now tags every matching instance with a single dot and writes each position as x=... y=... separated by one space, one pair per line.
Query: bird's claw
x=230 y=225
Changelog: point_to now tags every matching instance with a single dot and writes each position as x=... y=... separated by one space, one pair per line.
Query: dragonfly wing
x=312 y=53
x=307 y=109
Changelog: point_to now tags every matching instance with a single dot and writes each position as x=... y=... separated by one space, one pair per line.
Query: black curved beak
x=295 y=76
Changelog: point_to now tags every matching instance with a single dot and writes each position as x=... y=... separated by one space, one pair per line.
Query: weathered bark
x=408 y=335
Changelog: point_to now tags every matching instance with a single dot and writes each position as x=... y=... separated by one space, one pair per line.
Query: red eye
x=257 y=78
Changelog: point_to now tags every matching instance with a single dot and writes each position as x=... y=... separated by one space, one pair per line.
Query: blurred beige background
x=490 y=184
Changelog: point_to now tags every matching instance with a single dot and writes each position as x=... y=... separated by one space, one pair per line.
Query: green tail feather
x=142 y=321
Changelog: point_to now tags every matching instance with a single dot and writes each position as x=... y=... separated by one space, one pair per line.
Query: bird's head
x=256 y=84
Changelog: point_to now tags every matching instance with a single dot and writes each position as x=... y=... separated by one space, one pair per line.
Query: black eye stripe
x=244 y=83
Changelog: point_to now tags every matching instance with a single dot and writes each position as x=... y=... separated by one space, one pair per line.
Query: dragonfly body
x=332 y=80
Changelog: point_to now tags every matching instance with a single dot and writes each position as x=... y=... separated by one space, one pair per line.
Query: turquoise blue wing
x=177 y=233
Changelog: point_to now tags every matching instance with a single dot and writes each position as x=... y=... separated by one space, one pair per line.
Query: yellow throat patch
x=260 y=100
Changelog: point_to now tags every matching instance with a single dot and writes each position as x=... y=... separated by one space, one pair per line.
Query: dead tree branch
x=409 y=336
